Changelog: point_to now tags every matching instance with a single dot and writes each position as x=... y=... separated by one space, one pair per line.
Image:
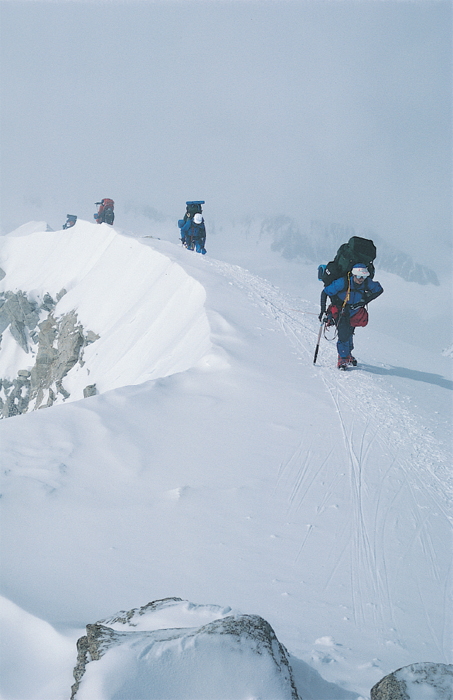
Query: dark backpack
x=105 y=211
x=356 y=250
x=192 y=208
x=109 y=216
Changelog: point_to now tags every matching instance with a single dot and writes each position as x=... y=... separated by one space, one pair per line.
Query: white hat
x=360 y=270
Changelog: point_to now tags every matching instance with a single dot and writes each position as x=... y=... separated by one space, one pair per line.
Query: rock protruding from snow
x=20 y=315
x=417 y=681
x=56 y=343
x=231 y=656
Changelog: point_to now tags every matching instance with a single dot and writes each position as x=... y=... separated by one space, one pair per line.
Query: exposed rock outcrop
x=19 y=314
x=237 y=642
x=55 y=343
x=428 y=680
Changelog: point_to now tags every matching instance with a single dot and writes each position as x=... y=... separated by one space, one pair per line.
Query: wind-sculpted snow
x=144 y=313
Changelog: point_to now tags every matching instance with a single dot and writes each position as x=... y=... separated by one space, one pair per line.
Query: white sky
x=339 y=111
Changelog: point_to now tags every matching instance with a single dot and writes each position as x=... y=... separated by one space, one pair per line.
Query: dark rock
x=247 y=634
x=18 y=313
x=48 y=303
x=57 y=341
x=417 y=680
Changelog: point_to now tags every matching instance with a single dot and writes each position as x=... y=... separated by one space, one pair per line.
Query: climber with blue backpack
x=349 y=295
x=193 y=234
x=193 y=230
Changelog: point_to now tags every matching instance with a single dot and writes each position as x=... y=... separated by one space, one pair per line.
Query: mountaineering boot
x=351 y=360
x=342 y=362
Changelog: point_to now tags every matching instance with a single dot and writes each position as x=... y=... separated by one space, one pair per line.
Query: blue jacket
x=198 y=232
x=358 y=294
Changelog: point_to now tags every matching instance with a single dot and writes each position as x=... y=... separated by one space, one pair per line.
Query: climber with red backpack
x=349 y=295
x=105 y=211
x=348 y=281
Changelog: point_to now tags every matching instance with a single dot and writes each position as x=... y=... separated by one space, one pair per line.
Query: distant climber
x=70 y=221
x=349 y=295
x=105 y=211
x=193 y=234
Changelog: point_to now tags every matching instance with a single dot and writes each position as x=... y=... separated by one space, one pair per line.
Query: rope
x=348 y=293
x=335 y=333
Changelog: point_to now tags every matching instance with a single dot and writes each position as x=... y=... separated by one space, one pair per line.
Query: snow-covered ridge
x=315 y=500
x=144 y=314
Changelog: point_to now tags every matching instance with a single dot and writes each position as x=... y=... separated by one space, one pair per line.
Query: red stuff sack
x=360 y=318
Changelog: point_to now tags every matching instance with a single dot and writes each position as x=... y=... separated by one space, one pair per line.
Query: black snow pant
x=345 y=343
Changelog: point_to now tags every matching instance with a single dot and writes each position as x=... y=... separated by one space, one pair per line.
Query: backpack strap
x=336 y=301
x=348 y=293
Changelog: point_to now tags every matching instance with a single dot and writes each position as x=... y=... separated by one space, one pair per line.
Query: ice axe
x=319 y=339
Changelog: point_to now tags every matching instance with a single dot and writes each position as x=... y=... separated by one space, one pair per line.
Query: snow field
x=249 y=479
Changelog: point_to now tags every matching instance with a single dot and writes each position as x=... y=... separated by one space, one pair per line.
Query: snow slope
x=237 y=474
x=148 y=312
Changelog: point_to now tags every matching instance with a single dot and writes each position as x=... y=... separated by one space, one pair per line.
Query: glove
x=357 y=305
x=321 y=314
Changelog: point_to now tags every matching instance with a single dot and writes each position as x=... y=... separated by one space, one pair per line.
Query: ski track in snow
x=374 y=426
x=390 y=424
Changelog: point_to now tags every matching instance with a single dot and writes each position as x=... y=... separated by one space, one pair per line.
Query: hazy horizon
x=318 y=110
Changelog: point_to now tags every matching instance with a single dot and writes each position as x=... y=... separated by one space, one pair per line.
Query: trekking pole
x=317 y=344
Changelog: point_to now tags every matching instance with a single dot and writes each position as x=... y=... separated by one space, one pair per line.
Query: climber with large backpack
x=350 y=285
x=193 y=230
x=105 y=211
x=193 y=234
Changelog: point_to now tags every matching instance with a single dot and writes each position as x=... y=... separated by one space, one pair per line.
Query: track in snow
x=397 y=479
